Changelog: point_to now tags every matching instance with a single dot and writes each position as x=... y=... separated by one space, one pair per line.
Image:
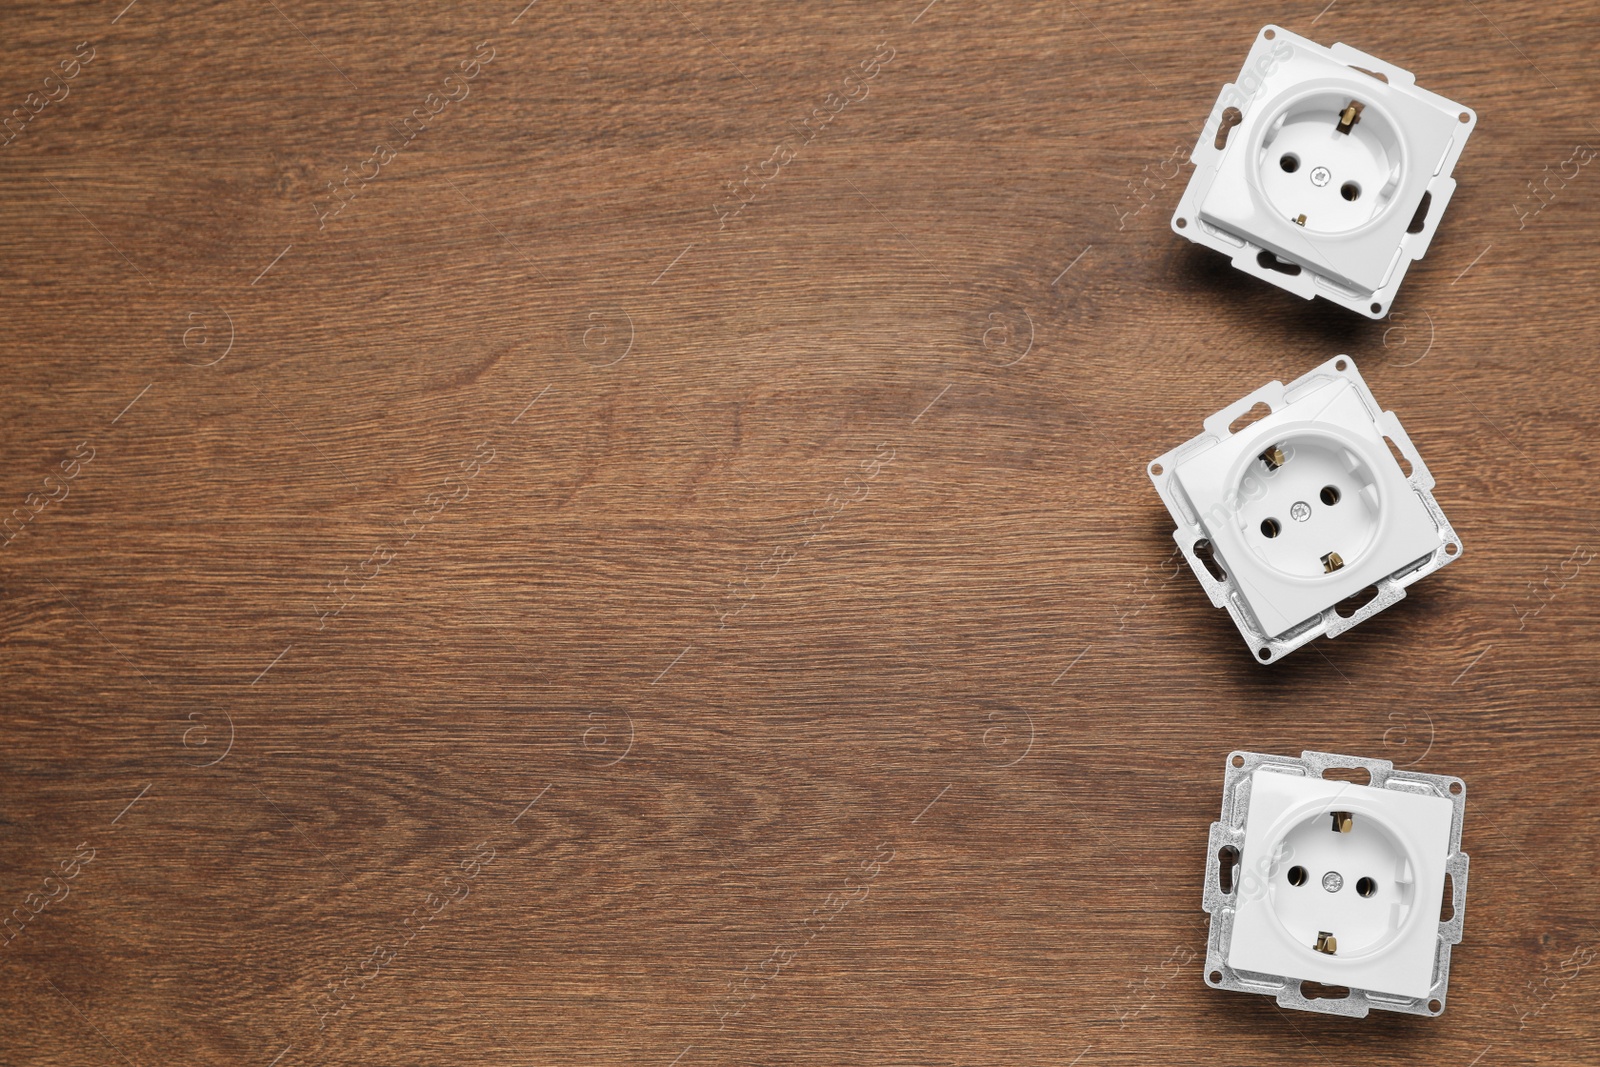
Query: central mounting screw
x=1333 y=881
x=1321 y=176
x=1300 y=512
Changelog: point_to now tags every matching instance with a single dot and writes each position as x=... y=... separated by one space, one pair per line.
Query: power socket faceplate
x=1311 y=879
x=1324 y=171
x=1304 y=508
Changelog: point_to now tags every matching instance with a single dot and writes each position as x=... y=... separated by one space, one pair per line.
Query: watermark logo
x=604 y=338
x=1408 y=338
x=1007 y=337
x=206 y=338
x=608 y=738
x=207 y=742
x=1008 y=736
x=1412 y=731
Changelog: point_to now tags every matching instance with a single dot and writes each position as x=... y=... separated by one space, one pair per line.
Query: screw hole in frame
x=1257 y=412
x=1231 y=117
x=1353 y=603
x=1238 y=761
x=1420 y=219
x=1405 y=464
x=1227 y=860
x=1267 y=261
x=1455 y=789
x=1265 y=653
x=1182 y=223
x=1317 y=991
x=1341 y=365
x=1451 y=549
x=1215 y=977
x=1155 y=468
x=1207 y=555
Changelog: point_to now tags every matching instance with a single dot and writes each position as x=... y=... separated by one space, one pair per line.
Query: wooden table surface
x=617 y=534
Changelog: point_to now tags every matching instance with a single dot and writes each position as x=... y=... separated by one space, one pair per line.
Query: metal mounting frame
x=1221 y=906
x=1272 y=48
x=1227 y=593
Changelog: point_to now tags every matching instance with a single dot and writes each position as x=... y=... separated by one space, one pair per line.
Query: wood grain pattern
x=555 y=608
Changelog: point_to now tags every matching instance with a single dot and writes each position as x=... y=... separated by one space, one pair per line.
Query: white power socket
x=1312 y=879
x=1323 y=171
x=1304 y=508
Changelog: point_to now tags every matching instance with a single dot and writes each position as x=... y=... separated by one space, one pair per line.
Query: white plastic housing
x=1312 y=208
x=1369 y=894
x=1336 y=490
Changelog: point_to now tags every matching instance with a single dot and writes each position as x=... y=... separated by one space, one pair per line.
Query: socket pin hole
x=1238 y=761
x=1366 y=887
x=1350 y=191
x=1330 y=495
x=1289 y=162
x=1227 y=860
x=1270 y=527
x=1297 y=876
